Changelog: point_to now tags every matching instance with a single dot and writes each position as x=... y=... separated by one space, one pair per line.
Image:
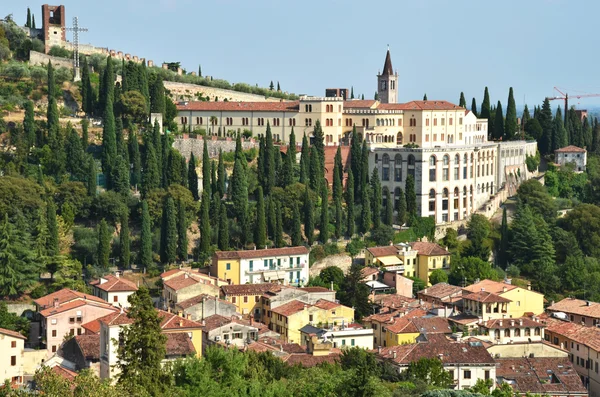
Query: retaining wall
x=185 y=91
x=41 y=59
x=187 y=145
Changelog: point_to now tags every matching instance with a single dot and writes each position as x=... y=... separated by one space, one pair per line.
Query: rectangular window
x=343 y=342
x=467 y=374
x=426 y=137
x=443 y=121
x=460 y=121
x=54 y=333
x=456 y=174
x=251 y=266
x=450 y=121
x=487 y=374
x=435 y=137
x=352 y=343
x=432 y=175
x=398 y=174
x=451 y=372
x=385 y=174
x=256 y=299
x=228 y=266
x=245 y=299
x=13 y=344
x=426 y=122
x=53 y=348
x=13 y=361
x=445 y=174
x=115 y=298
x=444 y=217
x=233 y=299
x=435 y=122
x=71 y=320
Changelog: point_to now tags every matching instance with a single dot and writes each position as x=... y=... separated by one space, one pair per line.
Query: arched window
x=432 y=200
x=399 y=138
x=397 y=193
x=432 y=169
x=384 y=194
x=446 y=160
x=536 y=332
x=378 y=122
x=432 y=161
x=507 y=333
x=385 y=176
x=497 y=334
x=398 y=168
x=517 y=332
x=445 y=199
x=445 y=170
x=386 y=159
x=411 y=165
x=464 y=198
x=527 y=331
x=411 y=160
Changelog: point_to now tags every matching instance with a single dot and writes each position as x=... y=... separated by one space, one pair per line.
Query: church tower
x=387 y=82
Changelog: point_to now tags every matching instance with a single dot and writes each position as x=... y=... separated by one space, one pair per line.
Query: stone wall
x=37 y=58
x=19 y=308
x=185 y=91
x=187 y=145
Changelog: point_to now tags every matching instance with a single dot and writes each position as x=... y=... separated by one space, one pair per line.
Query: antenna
x=76 y=29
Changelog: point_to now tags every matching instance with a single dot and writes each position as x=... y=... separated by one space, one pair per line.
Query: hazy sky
x=438 y=47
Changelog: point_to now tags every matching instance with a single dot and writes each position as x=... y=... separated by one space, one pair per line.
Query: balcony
x=276 y=269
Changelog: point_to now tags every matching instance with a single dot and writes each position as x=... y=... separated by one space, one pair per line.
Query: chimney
x=180 y=323
x=55 y=303
x=500 y=323
x=504 y=289
x=185 y=275
x=203 y=323
x=394 y=354
x=331 y=286
x=379 y=350
x=520 y=321
x=588 y=303
x=188 y=316
x=512 y=323
x=529 y=286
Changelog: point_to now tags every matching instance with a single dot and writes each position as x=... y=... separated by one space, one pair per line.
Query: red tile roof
x=360 y=104
x=326 y=305
x=421 y=105
x=215 y=321
x=394 y=301
x=402 y=325
x=428 y=249
x=308 y=360
x=251 y=289
x=168 y=321
x=260 y=253
x=51 y=311
x=577 y=306
x=432 y=325
x=290 y=308
x=570 y=149
x=241 y=106
x=440 y=291
x=14 y=334
x=486 y=297
x=511 y=323
x=93 y=327
x=114 y=284
x=62 y=296
x=388 y=250
x=89 y=346
x=588 y=336
x=179 y=344
x=495 y=287
x=369 y=271
x=186 y=304
x=186 y=279
x=315 y=289
x=64 y=373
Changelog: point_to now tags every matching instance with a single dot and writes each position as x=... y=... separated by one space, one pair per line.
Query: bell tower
x=387 y=82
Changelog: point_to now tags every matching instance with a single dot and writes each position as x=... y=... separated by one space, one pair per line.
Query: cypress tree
x=157 y=96
x=350 y=205
x=309 y=220
x=92 y=175
x=120 y=176
x=52 y=112
x=213 y=178
x=52 y=241
x=278 y=239
x=425 y=96
x=271 y=218
x=485 y=105
x=319 y=145
x=144 y=89
x=278 y=86
x=109 y=141
x=183 y=169
x=351 y=92
x=205 y=235
x=544 y=116
x=356 y=161
x=221 y=176
x=28 y=23
x=499 y=130
x=411 y=198
x=269 y=163
x=103 y=245
x=401 y=208
x=559 y=133
x=292 y=147
x=199 y=70
x=168 y=232
x=575 y=129
x=239 y=197
x=166 y=148
x=29 y=124
x=205 y=169
x=587 y=133
x=339 y=218
x=124 y=245
x=260 y=169
x=223 y=229
x=324 y=228
x=182 y=225
x=525 y=117
x=337 y=175
x=315 y=175
x=173 y=168
x=596 y=137
x=462 y=102
x=260 y=232
x=474 y=107
x=278 y=165
x=135 y=159
x=239 y=152
x=504 y=240
x=193 y=177
x=510 y=126
x=158 y=152
x=376 y=198
x=33 y=21
x=87 y=92
x=287 y=171
x=365 y=215
x=74 y=152
x=296 y=232
x=388 y=218
x=364 y=168
x=51 y=82
x=150 y=175
x=120 y=139
x=145 y=256
x=85 y=140
x=304 y=161
x=107 y=86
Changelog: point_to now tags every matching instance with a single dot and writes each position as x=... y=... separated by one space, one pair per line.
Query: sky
x=438 y=47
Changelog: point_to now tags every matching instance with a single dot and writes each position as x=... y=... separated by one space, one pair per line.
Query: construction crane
x=565 y=97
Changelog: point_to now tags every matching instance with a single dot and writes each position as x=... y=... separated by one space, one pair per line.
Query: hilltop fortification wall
x=185 y=91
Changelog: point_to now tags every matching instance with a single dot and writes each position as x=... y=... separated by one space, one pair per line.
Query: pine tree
x=485 y=106
x=504 y=240
x=88 y=96
x=388 y=218
x=205 y=169
x=223 y=230
x=278 y=239
x=91 y=178
x=271 y=217
x=366 y=215
x=145 y=255
x=304 y=161
x=278 y=87
x=29 y=124
x=559 y=133
x=401 y=208
x=182 y=225
x=120 y=175
x=309 y=220
x=510 y=126
x=356 y=161
x=260 y=231
x=85 y=139
x=462 y=102
x=18 y=271
x=52 y=242
x=350 y=205
x=74 y=152
x=124 y=245
x=474 y=107
x=135 y=159
x=324 y=228
x=28 y=23
x=544 y=116
x=296 y=232
x=193 y=177
x=205 y=232
x=271 y=86
x=158 y=151
x=103 y=245
x=109 y=141
x=221 y=176
x=150 y=173
x=376 y=198
x=499 y=123
x=411 y=198
x=168 y=232
x=157 y=96
x=319 y=145
x=525 y=117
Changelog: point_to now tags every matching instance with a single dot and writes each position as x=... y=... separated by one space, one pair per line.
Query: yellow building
x=287 y=319
x=247 y=298
x=494 y=299
x=405 y=330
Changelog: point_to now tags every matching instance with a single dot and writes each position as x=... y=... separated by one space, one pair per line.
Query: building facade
x=113 y=289
x=571 y=155
x=12 y=345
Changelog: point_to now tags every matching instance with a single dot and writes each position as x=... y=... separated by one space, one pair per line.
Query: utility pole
x=76 y=29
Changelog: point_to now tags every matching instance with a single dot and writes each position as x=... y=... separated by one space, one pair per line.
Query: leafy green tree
x=120 y=175
x=400 y=205
x=223 y=230
x=157 y=96
x=559 y=133
x=205 y=230
x=411 y=197
x=499 y=131
x=18 y=270
x=356 y=161
x=52 y=242
x=376 y=198
x=103 y=244
x=74 y=152
x=354 y=293
x=296 y=232
x=533 y=129
x=142 y=348
x=382 y=235
x=332 y=274
x=510 y=127
x=309 y=220
x=205 y=169
x=11 y=321
x=88 y=95
x=287 y=171
x=145 y=255
x=323 y=231
x=150 y=174
x=271 y=217
x=315 y=174
x=536 y=196
x=319 y=145
x=478 y=231
x=269 y=162
x=583 y=222
x=430 y=369
x=260 y=233
x=469 y=269
x=438 y=276
x=339 y=218
x=350 y=205
x=124 y=243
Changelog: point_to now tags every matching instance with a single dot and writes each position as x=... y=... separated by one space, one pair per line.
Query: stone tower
x=53 y=26
x=387 y=82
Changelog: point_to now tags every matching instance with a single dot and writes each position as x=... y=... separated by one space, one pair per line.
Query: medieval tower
x=387 y=82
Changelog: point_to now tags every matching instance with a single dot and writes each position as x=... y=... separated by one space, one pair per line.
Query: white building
x=114 y=290
x=342 y=336
x=11 y=364
x=571 y=154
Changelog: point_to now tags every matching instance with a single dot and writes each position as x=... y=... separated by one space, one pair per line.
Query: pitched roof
x=484 y=296
x=186 y=304
x=180 y=282
x=394 y=301
x=440 y=291
x=588 y=336
x=93 y=327
x=250 y=289
x=179 y=344
x=260 y=253
x=89 y=346
x=215 y=321
x=511 y=323
x=464 y=319
x=308 y=360
x=114 y=284
x=51 y=311
x=427 y=248
x=168 y=321
x=387 y=250
x=326 y=305
x=570 y=149
x=290 y=308
x=402 y=325
x=241 y=106
x=360 y=104
x=369 y=271
x=11 y=333
x=62 y=296
x=420 y=105
x=64 y=372
x=577 y=306
x=432 y=325
x=387 y=65
x=314 y=289
x=495 y=287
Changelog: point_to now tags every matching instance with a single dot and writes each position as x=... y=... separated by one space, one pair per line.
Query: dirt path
x=343 y=261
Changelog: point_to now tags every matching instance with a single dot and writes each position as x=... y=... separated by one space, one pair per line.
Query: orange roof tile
x=260 y=253
x=51 y=311
x=577 y=306
x=369 y=271
x=14 y=334
x=387 y=250
x=64 y=373
x=93 y=327
x=241 y=106
x=440 y=291
x=484 y=296
x=402 y=325
x=326 y=305
x=62 y=296
x=314 y=289
x=570 y=149
x=360 y=104
x=290 y=308
x=495 y=287
x=428 y=249
x=114 y=284
x=421 y=105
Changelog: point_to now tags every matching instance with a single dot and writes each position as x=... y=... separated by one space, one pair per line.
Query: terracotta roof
x=62 y=296
x=89 y=346
x=179 y=344
x=464 y=319
x=170 y=273
x=215 y=321
x=269 y=252
x=51 y=311
x=440 y=291
x=360 y=104
x=394 y=301
x=421 y=105
x=93 y=327
x=290 y=308
x=308 y=360
x=484 y=296
x=116 y=318
x=390 y=316
x=511 y=323
x=369 y=271
x=402 y=325
x=315 y=289
x=14 y=334
x=540 y=375
x=186 y=304
x=387 y=65
x=588 y=336
x=326 y=305
x=250 y=289
x=432 y=325
x=577 y=306
x=388 y=250
x=168 y=321
x=180 y=282
x=495 y=287
x=330 y=152
x=114 y=284
x=64 y=373
x=427 y=248
x=570 y=149
x=241 y=106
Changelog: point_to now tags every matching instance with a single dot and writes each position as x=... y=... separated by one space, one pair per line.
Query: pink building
x=395 y=279
x=63 y=313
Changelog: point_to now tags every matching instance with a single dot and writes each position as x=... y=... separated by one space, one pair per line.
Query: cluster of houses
x=493 y=330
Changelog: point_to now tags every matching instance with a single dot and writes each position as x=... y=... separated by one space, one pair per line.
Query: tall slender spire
x=387 y=65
